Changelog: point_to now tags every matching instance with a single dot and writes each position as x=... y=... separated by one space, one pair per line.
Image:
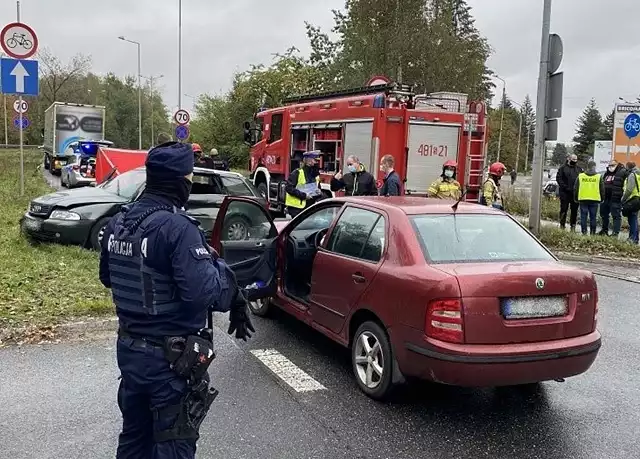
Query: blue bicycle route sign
x=632 y=125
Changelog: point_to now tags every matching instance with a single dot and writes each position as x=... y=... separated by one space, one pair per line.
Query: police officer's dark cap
x=170 y=160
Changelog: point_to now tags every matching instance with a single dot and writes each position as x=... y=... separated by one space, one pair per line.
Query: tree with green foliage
x=589 y=127
x=432 y=44
x=606 y=133
x=559 y=156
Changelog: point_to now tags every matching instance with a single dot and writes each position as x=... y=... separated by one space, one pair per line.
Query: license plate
x=31 y=224
x=533 y=307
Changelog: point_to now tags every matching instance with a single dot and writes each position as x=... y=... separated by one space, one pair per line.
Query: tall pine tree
x=589 y=127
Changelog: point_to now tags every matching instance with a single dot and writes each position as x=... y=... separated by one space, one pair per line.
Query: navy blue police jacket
x=162 y=277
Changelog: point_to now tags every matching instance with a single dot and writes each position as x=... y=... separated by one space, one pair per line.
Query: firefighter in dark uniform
x=165 y=279
x=303 y=185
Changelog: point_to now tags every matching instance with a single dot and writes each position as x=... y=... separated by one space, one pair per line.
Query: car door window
x=374 y=246
x=352 y=233
x=319 y=220
x=245 y=221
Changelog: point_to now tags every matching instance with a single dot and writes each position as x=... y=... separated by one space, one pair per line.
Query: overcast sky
x=601 y=57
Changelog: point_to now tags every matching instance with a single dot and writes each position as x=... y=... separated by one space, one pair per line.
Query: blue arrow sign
x=19 y=77
x=25 y=122
x=632 y=125
x=182 y=132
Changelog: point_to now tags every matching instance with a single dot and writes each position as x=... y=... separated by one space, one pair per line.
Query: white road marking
x=286 y=370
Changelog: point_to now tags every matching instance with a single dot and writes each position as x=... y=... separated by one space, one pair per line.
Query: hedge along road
x=289 y=393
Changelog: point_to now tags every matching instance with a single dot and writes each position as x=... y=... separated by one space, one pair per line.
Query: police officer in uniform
x=165 y=280
x=588 y=192
x=300 y=184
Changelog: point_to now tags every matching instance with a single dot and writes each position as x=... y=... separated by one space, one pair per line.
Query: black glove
x=239 y=319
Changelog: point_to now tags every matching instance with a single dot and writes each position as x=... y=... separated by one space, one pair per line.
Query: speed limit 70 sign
x=20 y=106
x=182 y=117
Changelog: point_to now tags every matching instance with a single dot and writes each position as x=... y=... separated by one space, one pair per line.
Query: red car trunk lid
x=519 y=302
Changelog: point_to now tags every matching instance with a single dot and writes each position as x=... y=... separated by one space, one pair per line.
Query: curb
x=598 y=260
x=48 y=333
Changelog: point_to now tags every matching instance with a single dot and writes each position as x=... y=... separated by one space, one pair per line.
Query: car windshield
x=475 y=238
x=126 y=184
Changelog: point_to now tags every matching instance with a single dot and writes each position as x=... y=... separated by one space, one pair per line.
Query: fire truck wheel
x=262 y=188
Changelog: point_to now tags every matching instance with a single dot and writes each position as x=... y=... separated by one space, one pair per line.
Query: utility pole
x=21 y=127
x=541 y=110
x=548 y=109
x=179 y=54
x=519 y=140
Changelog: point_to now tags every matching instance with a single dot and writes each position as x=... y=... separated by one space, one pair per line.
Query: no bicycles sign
x=19 y=40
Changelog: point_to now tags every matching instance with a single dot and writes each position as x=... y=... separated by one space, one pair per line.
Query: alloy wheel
x=369 y=360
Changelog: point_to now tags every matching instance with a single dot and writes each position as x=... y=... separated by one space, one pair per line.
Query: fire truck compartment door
x=357 y=142
x=430 y=145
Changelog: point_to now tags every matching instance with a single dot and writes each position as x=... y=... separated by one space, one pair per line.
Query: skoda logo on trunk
x=539 y=283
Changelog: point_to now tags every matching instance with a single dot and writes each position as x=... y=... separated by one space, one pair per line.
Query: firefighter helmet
x=450 y=163
x=196 y=148
x=497 y=169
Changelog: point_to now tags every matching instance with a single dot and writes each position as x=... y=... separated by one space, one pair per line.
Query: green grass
x=565 y=241
x=41 y=284
x=517 y=203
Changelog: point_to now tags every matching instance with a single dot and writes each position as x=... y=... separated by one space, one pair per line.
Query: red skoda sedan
x=416 y=288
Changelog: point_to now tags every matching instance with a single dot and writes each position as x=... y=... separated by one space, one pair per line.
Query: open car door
x=245 y=236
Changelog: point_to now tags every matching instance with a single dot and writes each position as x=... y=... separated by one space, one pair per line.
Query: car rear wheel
x=372 y=359
x=260 y=307
x=96 y=233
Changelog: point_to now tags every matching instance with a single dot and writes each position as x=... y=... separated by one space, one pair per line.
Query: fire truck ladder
x=395 y=89
x=475 y=162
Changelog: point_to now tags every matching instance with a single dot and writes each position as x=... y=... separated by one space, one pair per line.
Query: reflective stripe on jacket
x=445 y=189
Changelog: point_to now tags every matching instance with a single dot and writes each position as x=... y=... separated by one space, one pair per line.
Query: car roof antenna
x=455 y=205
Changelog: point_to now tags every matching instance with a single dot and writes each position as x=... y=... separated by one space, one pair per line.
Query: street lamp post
x=526 y=158
x=504 y=98
x=519 y=136
x=151 y=80
x=139 y=92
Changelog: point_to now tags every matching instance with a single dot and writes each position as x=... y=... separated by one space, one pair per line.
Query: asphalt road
x=60 y=401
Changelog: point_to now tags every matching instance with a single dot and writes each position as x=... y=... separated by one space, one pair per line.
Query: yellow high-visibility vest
x=292 y=201
x=589 y=187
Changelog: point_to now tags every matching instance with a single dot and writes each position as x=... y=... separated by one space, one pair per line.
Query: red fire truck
x=420 y=131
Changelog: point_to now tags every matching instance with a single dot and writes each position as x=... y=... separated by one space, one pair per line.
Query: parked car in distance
x=81 y=165
x=78 y=216
x=416 y=288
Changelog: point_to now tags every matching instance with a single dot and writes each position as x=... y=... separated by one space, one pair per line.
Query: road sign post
x=631 y=129
x=19 y=76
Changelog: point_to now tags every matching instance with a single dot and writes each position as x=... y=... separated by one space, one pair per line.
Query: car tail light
x=76 y=167
x=444 y=320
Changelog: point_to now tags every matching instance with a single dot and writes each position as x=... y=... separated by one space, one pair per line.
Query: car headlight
x=64 y=215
